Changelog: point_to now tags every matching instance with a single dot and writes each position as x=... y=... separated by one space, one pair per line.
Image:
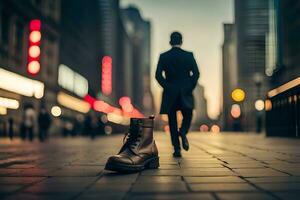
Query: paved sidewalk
x=218 y=166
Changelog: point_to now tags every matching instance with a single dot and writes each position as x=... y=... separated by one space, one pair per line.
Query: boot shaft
x=142 y=130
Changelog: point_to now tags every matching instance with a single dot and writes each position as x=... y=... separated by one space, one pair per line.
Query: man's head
x=176 y=39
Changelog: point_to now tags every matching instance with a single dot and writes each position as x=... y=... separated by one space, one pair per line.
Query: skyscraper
x=139 y=32
x=284 y=42
x=252 y=24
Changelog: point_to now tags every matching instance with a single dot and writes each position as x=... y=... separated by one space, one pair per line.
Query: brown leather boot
x=139 y=150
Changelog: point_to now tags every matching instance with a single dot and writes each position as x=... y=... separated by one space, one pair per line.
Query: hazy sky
x=201 y=23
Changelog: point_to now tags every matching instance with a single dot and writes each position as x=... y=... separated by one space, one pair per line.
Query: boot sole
x=151 y=163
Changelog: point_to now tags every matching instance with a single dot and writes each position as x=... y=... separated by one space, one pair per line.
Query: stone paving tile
x=225 y=179
x=285 y=179
x=101 y=195
x=9 y=172
x=222 y=187
x=107 y=188
x=19 y=180
x=212 y=173
x=113 y=178
x=288 y=195
x=244 y=196
x=279 y=186
x=245 y=165
x=267 y=172
x=35 y=172
x=218 y=166
x=22 y=166
x=200 y=165
x=161 y=172
x=159 y=179
x=60 y=185
x=76 y=172
x=159 y=187
x=25 y=196
x=202 y=196
x=6 y=189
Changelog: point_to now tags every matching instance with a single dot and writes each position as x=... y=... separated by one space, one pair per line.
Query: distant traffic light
x=34 y=51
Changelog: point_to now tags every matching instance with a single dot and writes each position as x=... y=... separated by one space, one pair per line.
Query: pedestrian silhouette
x=28 y=124
x=44 y=122
x=178 y=81
x=11 y=128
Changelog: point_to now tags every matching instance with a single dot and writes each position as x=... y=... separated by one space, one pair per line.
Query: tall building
x=29 y=53
x=79 y=49
x=282 y=105
x=229 y=61
x=283 y=37
x=139 y=31
x=252 y=24
x=110 y=34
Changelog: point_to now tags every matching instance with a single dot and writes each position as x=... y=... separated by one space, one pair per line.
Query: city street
x=218 y=166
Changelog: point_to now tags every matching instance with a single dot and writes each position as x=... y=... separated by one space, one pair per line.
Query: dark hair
x=175 y=38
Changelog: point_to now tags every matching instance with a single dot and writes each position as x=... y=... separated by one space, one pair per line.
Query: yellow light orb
x=238 y=95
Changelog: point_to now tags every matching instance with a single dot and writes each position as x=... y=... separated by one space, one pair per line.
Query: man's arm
x=195 y=71
x=158 y=75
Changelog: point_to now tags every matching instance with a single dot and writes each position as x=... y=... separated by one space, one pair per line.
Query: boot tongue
x=133 y=137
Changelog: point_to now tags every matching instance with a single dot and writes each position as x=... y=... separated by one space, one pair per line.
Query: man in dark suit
x=178 y=81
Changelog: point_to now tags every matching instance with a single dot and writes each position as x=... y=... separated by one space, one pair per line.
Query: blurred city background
x=74 y=67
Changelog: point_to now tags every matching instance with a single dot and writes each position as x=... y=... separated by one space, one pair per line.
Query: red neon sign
x=106 y=79
x=34 y=51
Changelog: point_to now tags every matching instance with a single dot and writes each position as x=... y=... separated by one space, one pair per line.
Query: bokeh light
x=238 y=95
x=108 y=130
x=3 y=111
x=104 y=119
x=259 y=105
x=35 y=24
x=9 y=103
x=56 y=111
x=215 y=128
x=34 y=51
x=167 y=128
x=33 y=67
x=235 y=111
x=204 y=128
x=35 y=36
x=268 y=105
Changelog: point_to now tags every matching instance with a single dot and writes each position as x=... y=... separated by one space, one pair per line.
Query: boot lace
x=132 y=138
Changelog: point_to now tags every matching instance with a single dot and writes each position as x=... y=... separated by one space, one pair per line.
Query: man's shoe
x=177 y=154
x=139 y=151
x=185 y=142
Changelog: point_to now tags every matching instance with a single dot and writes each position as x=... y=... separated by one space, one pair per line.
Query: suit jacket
x=181 y=75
